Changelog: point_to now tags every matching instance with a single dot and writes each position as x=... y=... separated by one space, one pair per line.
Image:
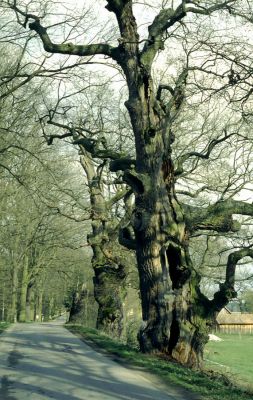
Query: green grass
x=3 y=326
x=234 y=356
x=211 y=386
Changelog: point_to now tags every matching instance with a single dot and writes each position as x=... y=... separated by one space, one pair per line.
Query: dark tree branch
x=63 y=48
x=51 y=138
x=163 y=21
x=92 y=147
x=205 y=155
x=126 y=238
x=164 y=87
x=198 y=9
x=227 y=291
x=18 y=179
x=126 y=21
x=70 y=48
x=122 y=164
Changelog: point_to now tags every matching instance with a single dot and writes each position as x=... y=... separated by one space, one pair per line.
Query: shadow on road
x=53 y=364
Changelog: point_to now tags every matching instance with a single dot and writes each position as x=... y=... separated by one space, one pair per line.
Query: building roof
x=227 y=317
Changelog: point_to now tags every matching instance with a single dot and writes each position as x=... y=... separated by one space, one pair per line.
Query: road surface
x=45 y=361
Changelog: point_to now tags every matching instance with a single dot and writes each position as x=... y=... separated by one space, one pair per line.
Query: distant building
x=234 y=322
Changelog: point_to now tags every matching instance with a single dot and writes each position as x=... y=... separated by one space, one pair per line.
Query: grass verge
x=3 y=326
x=210 y=386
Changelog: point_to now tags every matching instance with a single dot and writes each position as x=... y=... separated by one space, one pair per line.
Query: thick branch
x=63 y=48
x=126 y=231
x=70 y=48
x=217 y=217
x=126 y=238
x=227 y=290
x=51 y=138
x=92 y=147
x=117 y=197
x=164 y=87
x=163 y=21
x=121 y=164
x=195 y=194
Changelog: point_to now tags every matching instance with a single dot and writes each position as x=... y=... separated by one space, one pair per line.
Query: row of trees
x=42 y=253
x=167 y=173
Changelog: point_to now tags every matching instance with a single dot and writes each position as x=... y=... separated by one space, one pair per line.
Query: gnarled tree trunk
x=109 y=291
x=109 y=270
x=175 y=320
x=110 y=278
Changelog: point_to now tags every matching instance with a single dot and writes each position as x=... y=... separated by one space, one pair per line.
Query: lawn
x=234 y=356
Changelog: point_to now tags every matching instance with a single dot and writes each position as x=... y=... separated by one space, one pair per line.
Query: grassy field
x=209 y=386
x=233 y=356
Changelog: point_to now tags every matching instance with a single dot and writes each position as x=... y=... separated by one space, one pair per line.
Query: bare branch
x=205 y=155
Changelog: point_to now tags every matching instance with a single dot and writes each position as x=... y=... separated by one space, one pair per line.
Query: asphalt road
x=45 y=361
